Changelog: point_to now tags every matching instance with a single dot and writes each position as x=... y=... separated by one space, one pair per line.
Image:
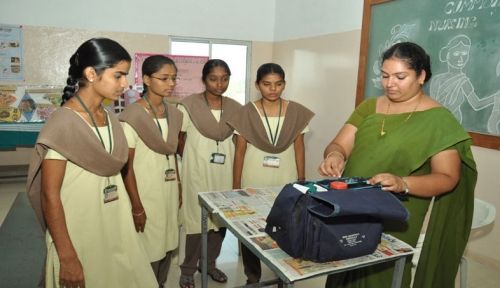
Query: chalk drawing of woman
x=399 y=33
x=494 y=120
x=453 y=88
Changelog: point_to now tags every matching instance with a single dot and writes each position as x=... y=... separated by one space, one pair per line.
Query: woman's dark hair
x=152 y=64
x=98 y=53
x=269 y=68
x=414 y=55
x=210 y=65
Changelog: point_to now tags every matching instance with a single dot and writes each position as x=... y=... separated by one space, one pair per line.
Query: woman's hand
x=444 y=176
x=389 y=182
x=180 y=196
x=128 y=175
x=332 y=165
x=71 y=273
x=71 y=270
x=239 y=158
x=337 y=152
x=139 y=219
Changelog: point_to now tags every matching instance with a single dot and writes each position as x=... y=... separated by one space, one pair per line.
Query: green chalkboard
x=463 y=39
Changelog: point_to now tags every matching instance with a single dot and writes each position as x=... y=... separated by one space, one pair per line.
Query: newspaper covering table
x=244 y=212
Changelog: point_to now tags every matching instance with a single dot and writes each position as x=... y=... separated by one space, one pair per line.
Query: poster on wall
x=188 y=73
x=11 y=53
x=28 y=103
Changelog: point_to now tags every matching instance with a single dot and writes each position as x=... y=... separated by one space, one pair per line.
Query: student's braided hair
x=98 y=53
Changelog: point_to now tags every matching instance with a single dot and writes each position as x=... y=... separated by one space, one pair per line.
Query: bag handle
x=369 y=202
x=324 y=209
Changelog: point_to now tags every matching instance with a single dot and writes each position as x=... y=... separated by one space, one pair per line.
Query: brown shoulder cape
x=148 y=131
x=249 y=124
x=67 y=133
x=203 y=119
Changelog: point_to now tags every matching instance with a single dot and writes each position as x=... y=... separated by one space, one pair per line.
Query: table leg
x=282 y=284
x=204 y=245
x=399 y=268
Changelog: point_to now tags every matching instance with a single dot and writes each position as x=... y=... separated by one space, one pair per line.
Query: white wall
x=297 y=19
x=226 y=19
x=257 y=20
x=321 y=74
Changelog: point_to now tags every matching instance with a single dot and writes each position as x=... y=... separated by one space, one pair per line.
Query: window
x=235 y=53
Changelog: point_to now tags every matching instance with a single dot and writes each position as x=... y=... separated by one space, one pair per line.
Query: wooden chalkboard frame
x=479 y=139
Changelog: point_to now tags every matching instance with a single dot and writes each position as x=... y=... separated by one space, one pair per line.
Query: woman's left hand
x=139 y=220
x=388 y=181
x=180 y=196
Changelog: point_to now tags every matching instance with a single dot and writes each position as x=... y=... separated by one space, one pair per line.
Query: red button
x=338 y=185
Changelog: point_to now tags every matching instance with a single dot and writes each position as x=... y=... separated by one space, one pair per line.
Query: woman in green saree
x=408 y=143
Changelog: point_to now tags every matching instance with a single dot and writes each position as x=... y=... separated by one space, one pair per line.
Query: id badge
x=110 y=193
x=170 y=175
x=271 y=161
x=217 y=158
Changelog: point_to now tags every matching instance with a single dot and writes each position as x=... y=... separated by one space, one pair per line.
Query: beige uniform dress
x=199 y=175
x=160 y=198
x=254 y=174
x=103 y=234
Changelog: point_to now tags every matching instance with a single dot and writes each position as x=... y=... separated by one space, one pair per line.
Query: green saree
x=405 y=149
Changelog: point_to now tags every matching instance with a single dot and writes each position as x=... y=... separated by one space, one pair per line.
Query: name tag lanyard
x=158 y=122
x=220 y=117
x=274 y=138
x=108 y=186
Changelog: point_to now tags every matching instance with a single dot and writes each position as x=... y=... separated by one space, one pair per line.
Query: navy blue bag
x=332 y=225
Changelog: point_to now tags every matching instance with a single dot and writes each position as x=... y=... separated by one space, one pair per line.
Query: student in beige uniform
x=152 y=129
x=269 y=145
x=74 y=181
x=207 y=164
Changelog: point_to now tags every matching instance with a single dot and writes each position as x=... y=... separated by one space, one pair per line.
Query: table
x=244 y=212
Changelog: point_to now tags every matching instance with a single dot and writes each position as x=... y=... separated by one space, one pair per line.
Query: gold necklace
x=382 y=131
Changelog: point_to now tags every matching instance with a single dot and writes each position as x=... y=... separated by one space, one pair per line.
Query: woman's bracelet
x=337 y=152
x=138 y=214
x=405 y=185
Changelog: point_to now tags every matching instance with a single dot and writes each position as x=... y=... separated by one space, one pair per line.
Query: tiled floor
x=479 y=276
x=8 y=193
x=230 y=263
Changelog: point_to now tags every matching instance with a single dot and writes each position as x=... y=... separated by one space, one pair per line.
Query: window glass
x=235 y=56
x=234 y=53
x=190 y=48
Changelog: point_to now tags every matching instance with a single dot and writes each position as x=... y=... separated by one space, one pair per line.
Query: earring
x=91 y=80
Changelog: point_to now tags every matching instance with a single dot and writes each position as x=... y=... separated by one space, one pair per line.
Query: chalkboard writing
x=463 y=39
